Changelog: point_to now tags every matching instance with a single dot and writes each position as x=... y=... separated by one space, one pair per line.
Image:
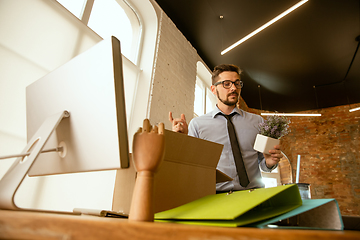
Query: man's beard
x=225 y=101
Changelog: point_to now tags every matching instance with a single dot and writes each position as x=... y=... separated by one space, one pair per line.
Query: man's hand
x=273 y=157
x=178 y=124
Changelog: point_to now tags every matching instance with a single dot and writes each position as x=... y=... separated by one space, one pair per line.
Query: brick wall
x=330 y=159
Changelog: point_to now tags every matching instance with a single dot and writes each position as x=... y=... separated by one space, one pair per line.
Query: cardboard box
x=187 y=173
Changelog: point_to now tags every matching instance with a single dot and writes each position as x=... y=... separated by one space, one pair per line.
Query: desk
x=35 y=225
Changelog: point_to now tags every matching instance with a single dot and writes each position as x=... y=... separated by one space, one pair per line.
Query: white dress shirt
x=213 y=127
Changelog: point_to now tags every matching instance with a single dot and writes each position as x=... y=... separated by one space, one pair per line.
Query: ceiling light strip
x=354 y=109
x=264 y=26
x=293 y=114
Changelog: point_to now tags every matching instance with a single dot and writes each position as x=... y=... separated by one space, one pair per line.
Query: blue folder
x=312 y=214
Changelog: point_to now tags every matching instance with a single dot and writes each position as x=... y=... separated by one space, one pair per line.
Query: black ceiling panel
x=298 y=63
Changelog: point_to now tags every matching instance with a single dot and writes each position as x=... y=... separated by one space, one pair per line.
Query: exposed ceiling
x=298 y=63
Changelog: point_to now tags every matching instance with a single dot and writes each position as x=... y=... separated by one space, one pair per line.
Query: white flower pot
x=263 y=143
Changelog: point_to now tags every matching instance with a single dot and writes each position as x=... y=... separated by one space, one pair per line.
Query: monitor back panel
x=90 y=87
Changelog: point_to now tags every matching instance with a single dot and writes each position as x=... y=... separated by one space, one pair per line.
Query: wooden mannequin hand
x=148 y=147
x=148 y=153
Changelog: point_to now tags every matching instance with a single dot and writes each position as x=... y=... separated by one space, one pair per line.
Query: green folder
x=236 y=209
x=312 y=214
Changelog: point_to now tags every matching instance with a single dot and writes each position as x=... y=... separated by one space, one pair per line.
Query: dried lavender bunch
x=275 y=126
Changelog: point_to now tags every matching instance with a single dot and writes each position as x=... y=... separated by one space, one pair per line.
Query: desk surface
x=36 y=225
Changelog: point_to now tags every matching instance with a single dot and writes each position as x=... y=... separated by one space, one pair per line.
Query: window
x=109 y=18
x=199 y=98
x=114 y=18
x=116 y=23
x=204 y=99
x=210 y=100
x=75 y=7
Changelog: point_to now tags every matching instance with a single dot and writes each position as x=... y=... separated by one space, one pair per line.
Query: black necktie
x=240 y=167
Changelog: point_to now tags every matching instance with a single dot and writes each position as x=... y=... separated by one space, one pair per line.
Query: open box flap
x=185 y=149
x=222 y=177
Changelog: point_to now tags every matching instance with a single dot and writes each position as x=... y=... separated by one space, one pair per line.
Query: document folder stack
x=263 y=207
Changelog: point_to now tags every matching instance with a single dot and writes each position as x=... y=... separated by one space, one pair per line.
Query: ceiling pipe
x=357 y=48
x=357 y=39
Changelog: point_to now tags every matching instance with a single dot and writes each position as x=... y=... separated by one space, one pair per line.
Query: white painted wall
x=173 y=88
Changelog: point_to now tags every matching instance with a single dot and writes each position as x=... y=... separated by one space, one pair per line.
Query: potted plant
x=271 y=130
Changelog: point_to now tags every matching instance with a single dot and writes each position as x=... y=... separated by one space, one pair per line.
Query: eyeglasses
x=227 y=84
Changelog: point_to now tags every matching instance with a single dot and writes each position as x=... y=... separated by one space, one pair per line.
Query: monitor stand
x=13 y=178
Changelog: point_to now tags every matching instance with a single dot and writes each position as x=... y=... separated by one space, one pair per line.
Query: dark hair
x=224 y=68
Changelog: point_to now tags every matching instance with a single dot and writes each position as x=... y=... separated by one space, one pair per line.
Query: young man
x=213 y=126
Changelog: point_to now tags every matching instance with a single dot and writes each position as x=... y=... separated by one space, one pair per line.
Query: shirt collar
x=216 y=111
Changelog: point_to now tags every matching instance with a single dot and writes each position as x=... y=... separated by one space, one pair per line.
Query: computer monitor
x=79 y=107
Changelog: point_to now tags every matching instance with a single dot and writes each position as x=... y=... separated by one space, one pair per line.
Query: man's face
x=229 y=96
